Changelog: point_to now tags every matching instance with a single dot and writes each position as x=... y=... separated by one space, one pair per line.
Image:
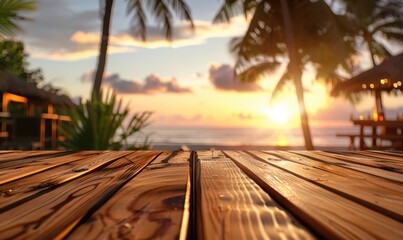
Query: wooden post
x=374 y=136
x=31 y=110
x=42 y=134
x=4 y=109
x=362 y=143
x=50 y=108
x=54 y=138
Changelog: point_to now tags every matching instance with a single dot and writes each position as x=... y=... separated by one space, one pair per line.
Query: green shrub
x=99 y=125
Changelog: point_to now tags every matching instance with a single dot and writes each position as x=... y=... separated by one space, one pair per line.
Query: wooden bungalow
x=29 y=116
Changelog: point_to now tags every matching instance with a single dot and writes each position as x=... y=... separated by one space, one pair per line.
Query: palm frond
x=396 y=35
x=182 y=9
x=285 y=78
x=10 y=13
x=161 y=11
x=228 y=10
x=393 y=24
x=138 y=24
x=253 y=73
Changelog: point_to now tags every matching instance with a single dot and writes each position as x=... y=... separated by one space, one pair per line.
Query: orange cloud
x=84 y=44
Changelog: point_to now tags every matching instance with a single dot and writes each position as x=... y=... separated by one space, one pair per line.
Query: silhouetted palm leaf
x=285 y=78
x=228 y=10
x=372 y=17
x=138 y=24
x=161 y=10
x=318 y=34
x=10 y=13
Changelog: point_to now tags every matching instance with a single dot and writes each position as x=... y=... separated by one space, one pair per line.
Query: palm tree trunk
x=103 y=49
x=296 y=72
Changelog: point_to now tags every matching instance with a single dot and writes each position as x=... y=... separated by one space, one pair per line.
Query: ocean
x=168 y=138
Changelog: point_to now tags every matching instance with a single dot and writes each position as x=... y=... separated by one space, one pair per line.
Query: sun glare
x=279 y=114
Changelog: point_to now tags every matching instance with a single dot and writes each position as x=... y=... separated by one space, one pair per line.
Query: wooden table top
x=201 y=194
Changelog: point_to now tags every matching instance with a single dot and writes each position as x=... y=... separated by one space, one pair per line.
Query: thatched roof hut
x=386 y=76
x=12 y=84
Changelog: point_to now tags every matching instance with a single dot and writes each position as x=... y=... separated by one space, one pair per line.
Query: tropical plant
x=161 y=10
x=99 y=125
x=304 y=32
x=10 y=13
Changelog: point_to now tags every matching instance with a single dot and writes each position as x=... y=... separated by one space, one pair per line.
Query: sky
x=185 y=83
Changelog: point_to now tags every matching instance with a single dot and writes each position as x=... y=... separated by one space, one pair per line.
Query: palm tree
x=372 y=18
x=10 y=13
x=305 y=32
x=161 y=10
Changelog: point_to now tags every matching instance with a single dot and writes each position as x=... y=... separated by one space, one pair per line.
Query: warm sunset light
x=279 y=114
x=181 y=118
x=183 y=73
x=281 y=139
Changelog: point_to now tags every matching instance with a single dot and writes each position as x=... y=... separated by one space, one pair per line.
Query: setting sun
x=279 y=114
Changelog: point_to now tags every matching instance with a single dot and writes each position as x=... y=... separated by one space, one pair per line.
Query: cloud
x=183 y=35
x=152 y=84
x=48 y=35
x=244 y=116
x=222 y=77
x=61 y=31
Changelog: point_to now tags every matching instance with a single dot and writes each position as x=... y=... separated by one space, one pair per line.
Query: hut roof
x=12 y=84
x=386 y=76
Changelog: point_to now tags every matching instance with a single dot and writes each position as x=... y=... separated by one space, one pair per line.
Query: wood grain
x=330 y=214
x=376 y=193
x=7 y=156
x=48 y=215
x=377 y=155
x=389 y=165
x=15 y=162
x=153 y=205
x=389 y=152
x=13 y=193
x=393 y=176
x=8 y=174
x=233 y=206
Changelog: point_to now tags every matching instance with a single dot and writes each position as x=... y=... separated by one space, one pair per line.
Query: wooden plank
x=376 y=193
x=52 y=214
x=15 y=159
x=389 y=152
x=21 y=163
x=390 y=165
x=5 y=151
x=393 y=176
x=233 y=206
x=8 y=174
x=377 y=155
x=7 y=156
x=15 y=192
x=330 y=214
x=153 y=205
